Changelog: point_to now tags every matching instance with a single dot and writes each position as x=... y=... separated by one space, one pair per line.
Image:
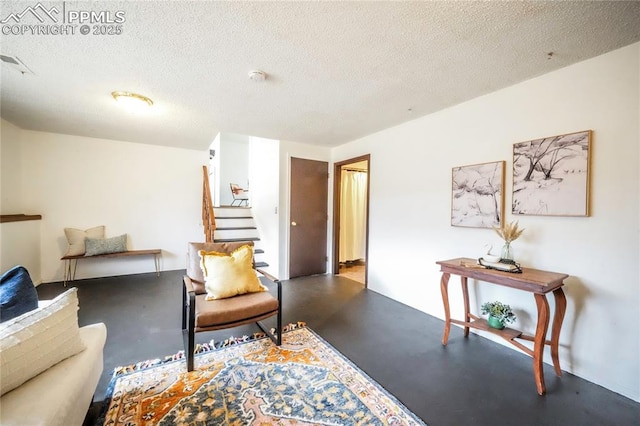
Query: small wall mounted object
x=551 y=175
x=477 y=198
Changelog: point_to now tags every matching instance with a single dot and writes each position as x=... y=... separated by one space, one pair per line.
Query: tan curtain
x=353 y=207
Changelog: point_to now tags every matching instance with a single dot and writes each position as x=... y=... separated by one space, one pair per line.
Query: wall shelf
x=19 y=217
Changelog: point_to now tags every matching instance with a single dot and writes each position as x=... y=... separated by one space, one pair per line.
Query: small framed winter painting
x=477 y=198
x=551 y=175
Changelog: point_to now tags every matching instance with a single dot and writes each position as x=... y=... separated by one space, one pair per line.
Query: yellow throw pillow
x=227 y=275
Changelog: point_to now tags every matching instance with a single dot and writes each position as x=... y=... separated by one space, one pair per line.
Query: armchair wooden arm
x=268 y=275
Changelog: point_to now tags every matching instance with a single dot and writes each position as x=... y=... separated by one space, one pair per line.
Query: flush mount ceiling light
x=257 y=75
x=132 y=101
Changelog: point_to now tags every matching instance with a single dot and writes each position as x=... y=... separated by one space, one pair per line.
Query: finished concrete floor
x=471 y=381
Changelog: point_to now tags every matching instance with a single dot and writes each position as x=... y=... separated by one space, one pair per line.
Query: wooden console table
x=532 y=280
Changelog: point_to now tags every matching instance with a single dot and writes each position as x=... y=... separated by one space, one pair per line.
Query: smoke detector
x=257 y=75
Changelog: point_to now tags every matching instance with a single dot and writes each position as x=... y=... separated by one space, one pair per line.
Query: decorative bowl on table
x=491 y=258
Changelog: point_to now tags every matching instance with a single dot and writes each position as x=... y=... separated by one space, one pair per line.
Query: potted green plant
x=499 y=314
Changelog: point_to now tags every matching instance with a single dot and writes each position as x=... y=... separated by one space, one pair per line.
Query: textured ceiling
x=336 y=70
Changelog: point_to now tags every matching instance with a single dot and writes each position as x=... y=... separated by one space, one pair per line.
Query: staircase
x=237 y=224
x=229 y=224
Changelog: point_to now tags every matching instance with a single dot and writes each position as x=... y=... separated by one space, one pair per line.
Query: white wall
x=214 y=171
x=20 y=245
x=600 y=340
x=10 y=175
x=288 y=150
x=19 y=241
x=234 y=165
x=264 y=173
x=151 y=193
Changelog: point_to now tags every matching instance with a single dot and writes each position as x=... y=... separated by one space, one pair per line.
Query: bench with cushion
x=71 y=262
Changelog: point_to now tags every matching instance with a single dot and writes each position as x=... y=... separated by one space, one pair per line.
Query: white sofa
x=62 y=393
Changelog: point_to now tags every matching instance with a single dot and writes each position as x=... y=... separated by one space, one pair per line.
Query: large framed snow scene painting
x=551 y=175
x=477 y=198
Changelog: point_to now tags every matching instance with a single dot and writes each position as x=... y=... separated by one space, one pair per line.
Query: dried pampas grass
x=509 y=231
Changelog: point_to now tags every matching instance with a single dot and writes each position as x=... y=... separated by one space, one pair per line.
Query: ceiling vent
x=15 y=63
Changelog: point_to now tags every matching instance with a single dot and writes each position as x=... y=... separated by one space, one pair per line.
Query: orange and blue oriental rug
x=251 y=381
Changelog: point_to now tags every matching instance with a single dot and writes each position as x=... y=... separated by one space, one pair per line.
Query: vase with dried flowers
x=508 y=232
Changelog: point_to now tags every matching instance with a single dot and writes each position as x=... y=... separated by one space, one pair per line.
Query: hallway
x=353 y=271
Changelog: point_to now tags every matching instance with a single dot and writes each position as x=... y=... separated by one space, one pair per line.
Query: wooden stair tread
x=261 y=264
x=233 y=217
x=234 y=240
x=234 y=228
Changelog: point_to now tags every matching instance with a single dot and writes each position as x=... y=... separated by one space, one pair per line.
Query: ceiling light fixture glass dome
x=132 y=101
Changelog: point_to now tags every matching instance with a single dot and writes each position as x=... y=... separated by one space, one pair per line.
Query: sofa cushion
x=62 y=394
x=39 y=339
x=75 y=238
x=95 y=246
x=228 y=275
x=17 y=293
x=222 y=312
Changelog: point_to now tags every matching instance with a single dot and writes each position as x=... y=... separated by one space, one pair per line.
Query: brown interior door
x=308 y=220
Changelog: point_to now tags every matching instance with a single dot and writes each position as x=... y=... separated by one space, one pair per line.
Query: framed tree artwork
x=477 y=199
x=551 y=175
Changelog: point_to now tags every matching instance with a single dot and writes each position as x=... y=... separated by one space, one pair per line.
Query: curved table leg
x=465 y=296
x=558 y=317
x=539 y=340
x=444 y=283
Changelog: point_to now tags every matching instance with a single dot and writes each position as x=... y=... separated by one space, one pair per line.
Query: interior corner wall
x=411 y=201
x=214 y=171
x=10 y=175
x=234 y=164
x=151 y=193
x=19 y=241
x=264 y=175
x=288 y=150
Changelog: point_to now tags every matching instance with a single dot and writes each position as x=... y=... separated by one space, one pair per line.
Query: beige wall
x=151 y=193
x=19 y=241
x=10 y=175
x=410 y=224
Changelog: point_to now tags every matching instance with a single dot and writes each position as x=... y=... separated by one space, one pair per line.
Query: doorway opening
x=351 y=218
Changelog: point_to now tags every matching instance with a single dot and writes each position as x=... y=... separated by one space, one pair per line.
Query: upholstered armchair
x=200 y=314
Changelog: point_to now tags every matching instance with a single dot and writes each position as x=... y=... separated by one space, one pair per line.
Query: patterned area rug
x=251 y=381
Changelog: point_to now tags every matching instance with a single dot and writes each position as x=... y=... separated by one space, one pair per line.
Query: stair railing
x=208 y=219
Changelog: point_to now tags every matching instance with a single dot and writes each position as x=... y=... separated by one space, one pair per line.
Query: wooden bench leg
x=156 y=261
x=69 y=270
x=66 y=272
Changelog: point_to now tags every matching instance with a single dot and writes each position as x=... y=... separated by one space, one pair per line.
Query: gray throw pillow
x=95 y=246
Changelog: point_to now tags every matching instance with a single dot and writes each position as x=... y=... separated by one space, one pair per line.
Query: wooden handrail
x=208 y=218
